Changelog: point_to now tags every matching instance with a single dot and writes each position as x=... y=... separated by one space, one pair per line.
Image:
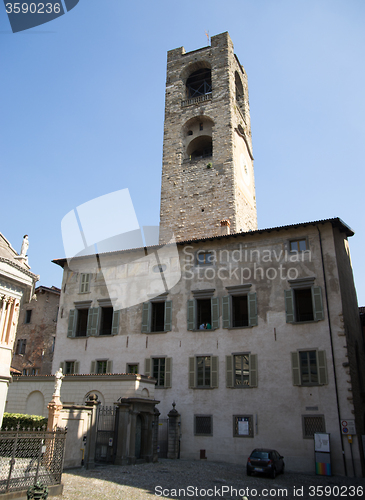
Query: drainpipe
x=333 y=358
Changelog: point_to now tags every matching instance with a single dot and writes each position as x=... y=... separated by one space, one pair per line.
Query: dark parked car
x=265 y=461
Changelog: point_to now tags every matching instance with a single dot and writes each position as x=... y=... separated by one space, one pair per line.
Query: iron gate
x=163 y=428
x=28 y=456
x=106 y=434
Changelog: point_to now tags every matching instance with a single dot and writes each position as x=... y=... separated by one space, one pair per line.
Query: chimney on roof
x=225 y=226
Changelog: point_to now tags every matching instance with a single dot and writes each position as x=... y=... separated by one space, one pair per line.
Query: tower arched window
x=199 y=83
x=200 y=147
x=239 y=88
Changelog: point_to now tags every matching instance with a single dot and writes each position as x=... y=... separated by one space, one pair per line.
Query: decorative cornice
x=11 y=287
x=35 y=277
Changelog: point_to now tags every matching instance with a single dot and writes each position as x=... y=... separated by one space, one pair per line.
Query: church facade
x=258 y=342
x=17 y=285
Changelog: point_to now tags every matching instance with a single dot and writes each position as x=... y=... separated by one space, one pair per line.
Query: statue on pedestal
x=57 y=387
x=25 y=245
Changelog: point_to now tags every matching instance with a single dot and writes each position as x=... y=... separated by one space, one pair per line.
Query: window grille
x=203 y=425
x=313 y=424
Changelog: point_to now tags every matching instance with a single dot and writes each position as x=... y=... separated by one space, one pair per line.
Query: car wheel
x=273 y=473
x=283 y=469
x=249 y=473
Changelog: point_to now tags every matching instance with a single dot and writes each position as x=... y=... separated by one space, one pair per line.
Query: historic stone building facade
x=258 y=341
x=36 y=333
x=16 y=288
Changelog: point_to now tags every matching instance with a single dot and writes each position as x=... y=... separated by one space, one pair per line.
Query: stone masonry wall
x=39 y=334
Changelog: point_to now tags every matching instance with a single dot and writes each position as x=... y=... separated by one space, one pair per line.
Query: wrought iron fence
x=28 y=456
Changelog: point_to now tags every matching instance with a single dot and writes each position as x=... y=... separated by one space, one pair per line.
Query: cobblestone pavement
x=199 y=480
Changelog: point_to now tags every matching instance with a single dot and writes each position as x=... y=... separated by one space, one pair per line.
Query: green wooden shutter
x=77 y=367
x=322 y=367
x=93 y=367
x=229 y=371
x=85 y=283
x=226 y=312
x=191 y=315
x=115 y=323
x=62 y=366
x=214 y=304
x=93 y=321
x=167 y=381
x=147 y=367
x=71 y=323
x=289 y=306
x=82 y=283
x=252 y=309
x=146 y=317
x=295 y=364
x=168 y=316
x=109 y=366
x=192 y=372
x=317 y=303
x=214 y=371
x=253 y=370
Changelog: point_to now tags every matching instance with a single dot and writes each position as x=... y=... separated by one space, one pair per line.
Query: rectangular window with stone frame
x=70 y=367
x=204 y=258
x=241 y=370
x=157 y=315
x=203 y=425
x=86 y=321
x=309 y=367
x=203 y=310
x=132 y=368
x=203 y=372
x=21 y=346
x=101 y=366
x=303 y=302
x=85 y=279
x=239 y=308
x=298 y=245
x=312 y=424
x=161 y=369
x=28 y=315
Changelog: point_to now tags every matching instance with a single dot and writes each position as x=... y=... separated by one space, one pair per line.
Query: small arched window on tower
x=239 y=91
x=197 y=136
x=199 y=83
x=201 y=147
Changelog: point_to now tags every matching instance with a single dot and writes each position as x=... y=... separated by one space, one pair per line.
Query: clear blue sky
x=82 y=108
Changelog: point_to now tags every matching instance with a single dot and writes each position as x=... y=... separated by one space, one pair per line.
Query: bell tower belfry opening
x=207 y=172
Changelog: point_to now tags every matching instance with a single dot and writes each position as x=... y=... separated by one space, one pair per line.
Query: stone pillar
x=173 y=436
x=123 y=437
x=2 y=317
x=54 y=412
x=155 y=435
x=5 y=326
x=89 y=459
x=132 y=437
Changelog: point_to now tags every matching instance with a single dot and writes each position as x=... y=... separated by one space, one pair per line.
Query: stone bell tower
x=208 y=185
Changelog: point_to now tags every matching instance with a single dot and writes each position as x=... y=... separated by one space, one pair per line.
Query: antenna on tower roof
x=207 y=35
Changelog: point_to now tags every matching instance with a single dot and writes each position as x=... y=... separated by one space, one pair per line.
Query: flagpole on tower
x=207 y=35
